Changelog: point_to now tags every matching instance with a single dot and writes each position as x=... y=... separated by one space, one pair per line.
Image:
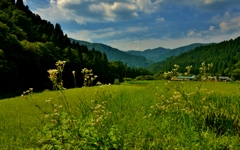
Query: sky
x=143 y=24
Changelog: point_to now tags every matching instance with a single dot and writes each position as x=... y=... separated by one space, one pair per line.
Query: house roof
x=227 y=78
x=186 y=77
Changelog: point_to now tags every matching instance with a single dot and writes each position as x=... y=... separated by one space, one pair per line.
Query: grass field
x=133 y=115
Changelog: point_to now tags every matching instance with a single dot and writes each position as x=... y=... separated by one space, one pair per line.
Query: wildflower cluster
x=99 y=83
x=88 y=77
x=55 y=75
x=188 y=70
x=60 y=65
x=57 y=109
x=172 y=74
x=180 y=100
x=204 y=69
x=105 y=85
x=29 y=91
x=100 y=114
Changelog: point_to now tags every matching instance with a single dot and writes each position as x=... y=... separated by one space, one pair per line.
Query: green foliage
x=146 y=77
x=65 y=131
x=233 y=69
x=127 y=79
x=221 y=55
x=116 y=82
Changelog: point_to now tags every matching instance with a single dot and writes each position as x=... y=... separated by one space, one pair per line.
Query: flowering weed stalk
x=205 y=69
x=88 y=77
x=62 y=129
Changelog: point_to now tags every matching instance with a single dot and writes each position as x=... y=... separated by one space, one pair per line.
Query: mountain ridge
x=135 y=58
x=115 y=54
x=159 y=54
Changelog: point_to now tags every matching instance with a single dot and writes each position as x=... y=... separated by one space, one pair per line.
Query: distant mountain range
x=160 y=53
x=118 y=55
x=134 y=58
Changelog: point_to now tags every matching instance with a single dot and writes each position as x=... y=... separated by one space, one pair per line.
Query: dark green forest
x=29 y=46
x=225 y=57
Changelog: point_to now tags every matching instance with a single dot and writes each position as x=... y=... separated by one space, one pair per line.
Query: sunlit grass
x=131 y=112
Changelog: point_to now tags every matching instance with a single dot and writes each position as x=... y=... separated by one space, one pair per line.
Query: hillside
x=160 y=54
x=29 y=46
x=151 y=54
x=117 y=55
x=223 y=55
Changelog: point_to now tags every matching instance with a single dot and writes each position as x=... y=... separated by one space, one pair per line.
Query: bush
x=127 y=79
x=116 y=82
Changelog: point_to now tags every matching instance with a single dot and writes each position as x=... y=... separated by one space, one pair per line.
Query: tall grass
x=153 y=116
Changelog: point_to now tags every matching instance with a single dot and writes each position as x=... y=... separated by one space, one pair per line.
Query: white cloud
x=193 y=33
x=208 y=1
x=106 y=33
x=223 y=26
x=114 y=12
x=135 y=29
x=227 y=14
x=161 y=19
x=227 y=22
x=83 y=11
x=148 y=6
x=230 y=24
x=79 y=20
x=205 y=5
x=67 y=2
x=52 y=2
x=211 y=28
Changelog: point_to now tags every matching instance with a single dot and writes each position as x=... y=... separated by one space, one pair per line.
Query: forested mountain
x=224 y=56
x=29 y=46
x=160 y=54
x=138 y=58
x=117 y=55
x=151 y=54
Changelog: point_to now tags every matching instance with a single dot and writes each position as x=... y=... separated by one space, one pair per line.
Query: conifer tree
x=20 y=4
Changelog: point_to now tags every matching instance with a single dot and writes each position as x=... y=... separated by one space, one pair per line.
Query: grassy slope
x=128 y=103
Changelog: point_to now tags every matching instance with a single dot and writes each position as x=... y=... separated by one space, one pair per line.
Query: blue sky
x=143 y=24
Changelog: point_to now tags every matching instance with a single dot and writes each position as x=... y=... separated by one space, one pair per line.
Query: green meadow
x=133 y=115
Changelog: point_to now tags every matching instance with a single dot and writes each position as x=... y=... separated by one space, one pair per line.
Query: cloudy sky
x=143 y=24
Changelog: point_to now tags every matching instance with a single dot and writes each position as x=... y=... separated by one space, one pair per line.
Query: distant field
x=147 y=114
